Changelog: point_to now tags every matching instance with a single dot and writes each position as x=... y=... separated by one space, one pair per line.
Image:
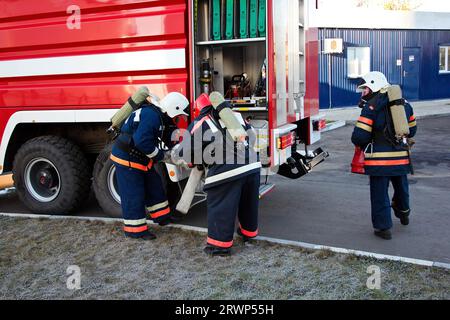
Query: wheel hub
x=42 y=180
x=46 y=179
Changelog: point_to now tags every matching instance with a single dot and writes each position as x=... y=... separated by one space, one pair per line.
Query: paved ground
x=331 y=206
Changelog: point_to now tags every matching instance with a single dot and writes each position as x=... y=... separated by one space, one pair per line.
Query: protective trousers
x=224 y=201
x=141 y=193
x=381 y=205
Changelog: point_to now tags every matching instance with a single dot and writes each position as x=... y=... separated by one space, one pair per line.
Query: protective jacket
x=208 y=137
x=382 y=157
x=138 y=145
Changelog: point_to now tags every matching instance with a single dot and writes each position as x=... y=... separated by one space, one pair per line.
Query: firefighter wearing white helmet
x=136 y=152
x=386 y=160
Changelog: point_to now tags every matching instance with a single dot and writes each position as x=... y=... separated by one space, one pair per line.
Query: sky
x=425 y=5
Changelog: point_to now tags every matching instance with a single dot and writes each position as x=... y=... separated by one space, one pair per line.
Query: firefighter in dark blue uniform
x=232 y=178
x=385 y=162
x=135 y=153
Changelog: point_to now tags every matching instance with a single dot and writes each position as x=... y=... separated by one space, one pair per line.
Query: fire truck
x=66 y=66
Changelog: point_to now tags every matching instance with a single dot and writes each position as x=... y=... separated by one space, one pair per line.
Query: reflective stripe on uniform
x=130 y=164
x=366 y=120
x=249 y=234
x=386 y=162
x=159 y=214
x=135 y=229
x=135 y=222
x=199 y=124
x=154 y=153
x=364 y=127
x=412 y=124
x=233 y=173
x=220 y=244
x=158 y=206
x=394 y=154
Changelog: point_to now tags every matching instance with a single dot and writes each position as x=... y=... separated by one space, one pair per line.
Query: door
x=411 y=73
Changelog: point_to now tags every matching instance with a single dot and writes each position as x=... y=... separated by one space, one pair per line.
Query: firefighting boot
x=245 y=239
x=165 y=221
x=216 y=251
x=403 y=215
x=147 y=236
x=383 y=234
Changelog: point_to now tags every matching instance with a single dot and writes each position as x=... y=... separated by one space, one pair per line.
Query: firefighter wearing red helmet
x=232 y=181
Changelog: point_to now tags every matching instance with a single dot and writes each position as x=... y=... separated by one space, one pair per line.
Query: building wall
x=386 y=48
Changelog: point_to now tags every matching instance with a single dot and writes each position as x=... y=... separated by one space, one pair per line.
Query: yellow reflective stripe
x=394 y=154
x=134 y=222
x=413 y=124
x=364 y=127
x=158 y=206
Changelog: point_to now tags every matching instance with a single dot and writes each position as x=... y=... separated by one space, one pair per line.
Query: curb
x=303 y=245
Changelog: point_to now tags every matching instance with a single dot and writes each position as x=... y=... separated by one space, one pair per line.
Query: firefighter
x=135 y=153
x=232 y=180
x=386 y=161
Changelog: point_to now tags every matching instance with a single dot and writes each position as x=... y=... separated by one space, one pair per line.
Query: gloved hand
x=167 y=157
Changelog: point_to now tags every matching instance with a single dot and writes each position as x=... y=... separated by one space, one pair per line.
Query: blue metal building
x=411 y=49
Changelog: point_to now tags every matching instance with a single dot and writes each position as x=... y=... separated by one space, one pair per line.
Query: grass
x=35 y=255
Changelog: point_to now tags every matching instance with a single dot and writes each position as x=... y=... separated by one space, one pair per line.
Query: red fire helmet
x=201 y=102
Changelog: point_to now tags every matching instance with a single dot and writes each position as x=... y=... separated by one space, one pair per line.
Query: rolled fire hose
x=128 y=108
x=228 y=117
x=185 y=202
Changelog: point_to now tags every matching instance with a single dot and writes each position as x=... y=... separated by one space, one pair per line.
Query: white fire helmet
x=174 y=104
x=374 y=80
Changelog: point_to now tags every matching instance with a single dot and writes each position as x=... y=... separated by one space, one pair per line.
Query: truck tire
x=106 y=190
x=105 y=185
x=51 y=175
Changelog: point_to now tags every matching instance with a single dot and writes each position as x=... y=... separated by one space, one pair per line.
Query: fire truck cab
x=65 y=69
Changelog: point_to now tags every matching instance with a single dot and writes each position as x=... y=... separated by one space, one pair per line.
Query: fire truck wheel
x=105 y=184
x=106 y=189
x=51 y=175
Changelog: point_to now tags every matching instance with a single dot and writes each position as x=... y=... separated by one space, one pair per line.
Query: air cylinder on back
x=398 y=112
x=128 y=108
x=228 y=117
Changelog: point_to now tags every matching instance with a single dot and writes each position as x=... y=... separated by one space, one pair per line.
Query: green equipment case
x=262 y=18
x=229 y=19
x=215 y=17
x=253 y=18
x=243 y=19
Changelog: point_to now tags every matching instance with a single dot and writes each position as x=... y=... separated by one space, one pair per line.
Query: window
x=444 y=59
x=358 y=61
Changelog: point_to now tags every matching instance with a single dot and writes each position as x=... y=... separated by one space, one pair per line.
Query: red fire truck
x=67 y=65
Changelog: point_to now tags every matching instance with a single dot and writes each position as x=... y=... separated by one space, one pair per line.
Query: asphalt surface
x=331 y=206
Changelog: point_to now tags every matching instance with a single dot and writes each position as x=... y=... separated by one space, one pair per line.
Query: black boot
x=244 y=238
x=402 y=215
x=216 y=251
x=383 y=234
x=148 y=236
x=165 y=221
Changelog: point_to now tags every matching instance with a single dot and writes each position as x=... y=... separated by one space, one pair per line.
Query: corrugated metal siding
x=386 y=48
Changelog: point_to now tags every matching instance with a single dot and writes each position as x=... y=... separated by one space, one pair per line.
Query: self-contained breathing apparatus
x=397 y=130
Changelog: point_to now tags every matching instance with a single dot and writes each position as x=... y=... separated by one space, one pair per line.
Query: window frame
x=447 y=59
x=360 y=47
